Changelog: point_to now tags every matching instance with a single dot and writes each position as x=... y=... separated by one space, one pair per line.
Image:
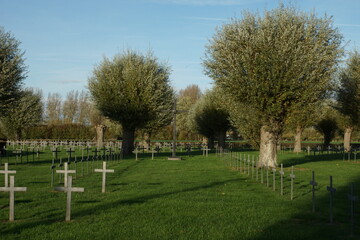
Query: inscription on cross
x=12 y=189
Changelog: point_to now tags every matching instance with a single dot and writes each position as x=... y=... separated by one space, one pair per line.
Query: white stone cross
x=104 y=171
x=66 y=171
x=12 y=189
x=7 y=172
x=69 y=189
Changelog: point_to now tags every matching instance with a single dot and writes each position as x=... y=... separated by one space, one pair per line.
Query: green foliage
x=209 y=116
x=12 y=70
x=275 y=63
x=24 y=112
x=328 y=124
x=60 y=131
x=348 y=93
x=131 y=89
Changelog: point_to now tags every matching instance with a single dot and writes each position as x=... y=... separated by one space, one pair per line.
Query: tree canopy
x=131 y=89
x=210 y=118
x=273 y=64
x=12 y=70
x=24 y=112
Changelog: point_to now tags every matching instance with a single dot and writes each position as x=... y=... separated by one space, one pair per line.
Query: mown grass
x=197 y=198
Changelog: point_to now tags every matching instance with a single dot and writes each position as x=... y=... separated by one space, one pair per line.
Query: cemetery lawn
x=197 y=198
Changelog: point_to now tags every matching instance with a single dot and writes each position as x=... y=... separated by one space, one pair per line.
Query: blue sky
x=64 y=39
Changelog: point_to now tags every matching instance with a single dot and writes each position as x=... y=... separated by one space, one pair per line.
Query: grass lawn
x=197 y=198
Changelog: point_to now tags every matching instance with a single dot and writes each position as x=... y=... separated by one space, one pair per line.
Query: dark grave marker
x=352 y=198
x=332 y=192
x=313 y=184
x=292 y=177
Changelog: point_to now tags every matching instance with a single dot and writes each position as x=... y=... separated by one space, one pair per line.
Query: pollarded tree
x=273 y=64
x=327 y=124
x=53 y=113
x=24 y=112
x=131 y=89
x=348 y=96
x=210 y=118
x=12 y=70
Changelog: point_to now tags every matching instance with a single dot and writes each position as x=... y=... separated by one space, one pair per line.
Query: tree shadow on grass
x=311 y=158
x=100 y=208
x=308 y=225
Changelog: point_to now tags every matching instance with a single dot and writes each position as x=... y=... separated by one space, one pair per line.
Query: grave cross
x=110 y=151
x=69 y=189
x=174 y=111
x=66 y=171
x=12 y=189
x=313 y=183
x=56 y=151
x=69 y=157
x=104 y=171
x=332 y=191
x=352 y=199
x=274 y=171
x=6 y=172
x=292 y=176
x=281 y=180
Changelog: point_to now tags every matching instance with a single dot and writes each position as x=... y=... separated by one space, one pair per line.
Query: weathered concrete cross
x=12 y=189
x=104 y=171
x=69 y=189
x=6 y=171
x=66 y=171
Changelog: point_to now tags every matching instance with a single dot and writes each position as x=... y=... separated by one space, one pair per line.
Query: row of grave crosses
x=67 y=188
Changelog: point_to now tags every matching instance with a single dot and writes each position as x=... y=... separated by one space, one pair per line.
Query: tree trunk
x=268 y=154
x=210 y=142
x=222 y=138
x=347 y=139
x=128 y=141
x=100 y=133
x=297 y=144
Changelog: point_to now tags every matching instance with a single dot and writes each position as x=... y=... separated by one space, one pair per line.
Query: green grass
x=197 y=198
